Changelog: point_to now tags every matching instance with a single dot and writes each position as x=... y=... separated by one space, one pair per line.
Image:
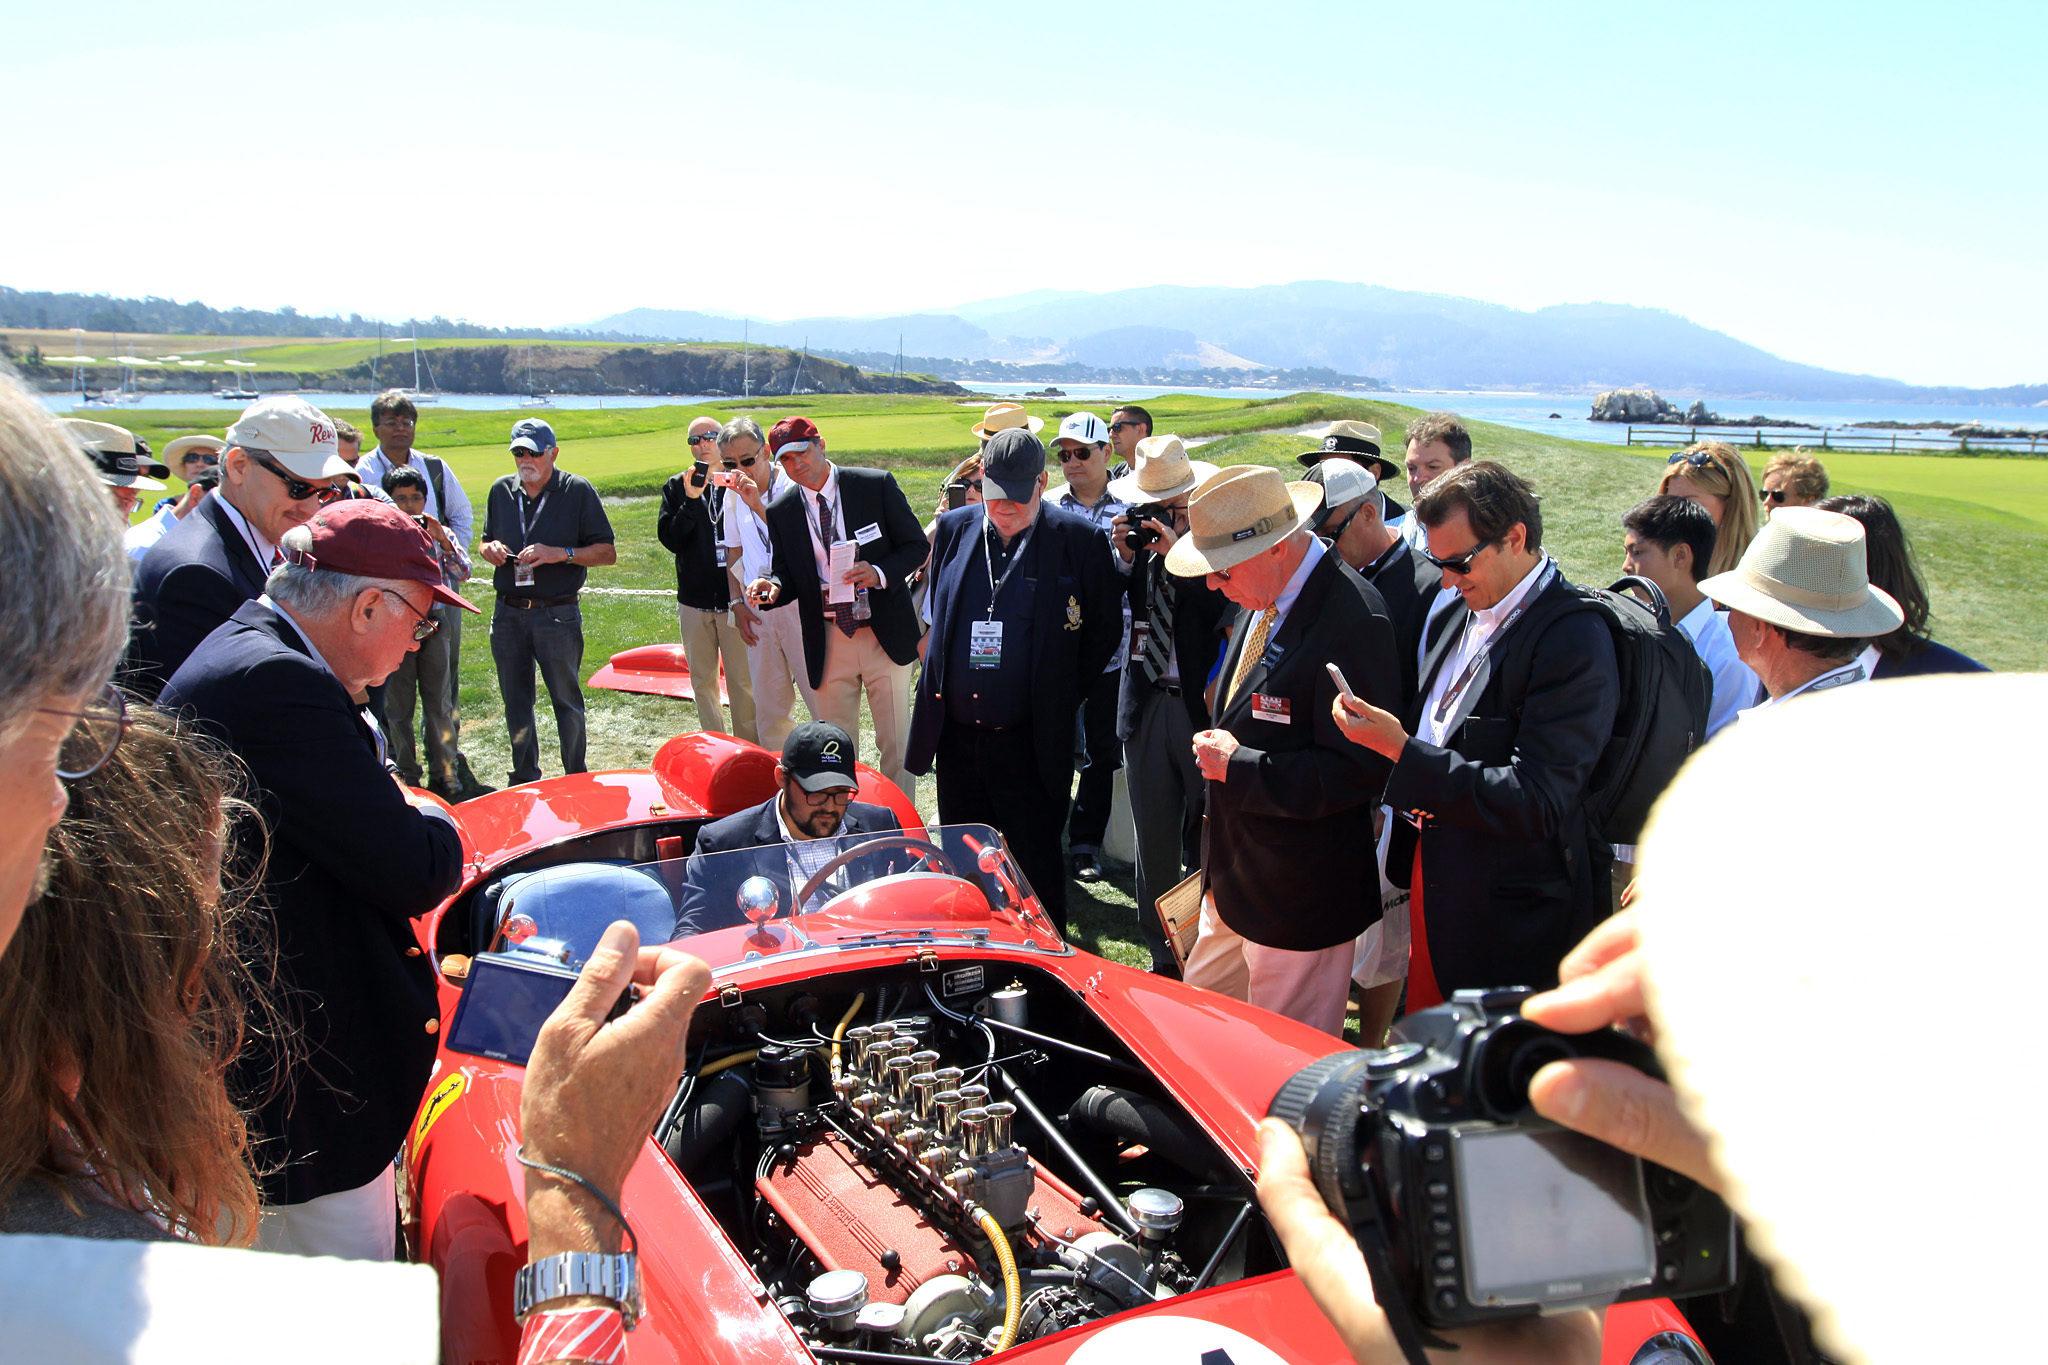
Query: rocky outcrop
x=1645 y=408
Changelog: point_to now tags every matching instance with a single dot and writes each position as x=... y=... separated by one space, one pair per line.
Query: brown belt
x=536 y=603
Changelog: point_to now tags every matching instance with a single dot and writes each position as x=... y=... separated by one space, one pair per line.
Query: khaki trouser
x=706 y=636
x=1313 y=987
x=775 y=662
x=854 y=666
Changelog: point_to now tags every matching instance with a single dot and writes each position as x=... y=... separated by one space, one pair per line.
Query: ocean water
x=471 y=402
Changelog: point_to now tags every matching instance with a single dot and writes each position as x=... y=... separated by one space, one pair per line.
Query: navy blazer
x=351 y=862
x=868 y=497
x=1080 y=622
x=189 y=582
x=709 y=904
x=1513 y=876
x=1287 y=847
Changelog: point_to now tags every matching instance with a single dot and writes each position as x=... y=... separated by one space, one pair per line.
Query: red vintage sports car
x=895 y=1034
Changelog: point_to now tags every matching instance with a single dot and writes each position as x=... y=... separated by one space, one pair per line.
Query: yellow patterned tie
x=1253 y=648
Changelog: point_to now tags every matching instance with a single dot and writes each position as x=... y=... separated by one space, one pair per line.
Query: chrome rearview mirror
x=759 y=900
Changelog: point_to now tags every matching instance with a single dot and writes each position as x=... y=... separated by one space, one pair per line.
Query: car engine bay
x=948 y=1158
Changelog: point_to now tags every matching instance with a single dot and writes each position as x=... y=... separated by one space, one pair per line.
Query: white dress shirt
x=1480 y=629
x=1735 y=686
x=141 y=536
x=748 y=533
x=265 y=552
x=806 y=856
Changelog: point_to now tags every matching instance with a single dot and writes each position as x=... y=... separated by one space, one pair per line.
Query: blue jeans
x=552 y=638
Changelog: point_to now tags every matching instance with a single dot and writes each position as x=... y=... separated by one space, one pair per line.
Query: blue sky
x=1859 y=186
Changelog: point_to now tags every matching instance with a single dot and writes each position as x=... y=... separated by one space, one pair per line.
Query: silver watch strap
x=572 y=1273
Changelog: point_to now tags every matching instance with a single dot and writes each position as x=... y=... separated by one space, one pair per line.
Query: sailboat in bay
x=532 y=399
x=237 y=393
x=430 y=392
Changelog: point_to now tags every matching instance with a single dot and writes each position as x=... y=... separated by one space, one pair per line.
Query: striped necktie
x=1253 y=648
x=1160 y=599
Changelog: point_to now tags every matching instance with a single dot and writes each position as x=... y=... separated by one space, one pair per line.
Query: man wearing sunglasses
x=352 y=598
x=281 y=465
x=1353 y=519
x=1492 y=762
x=774 y=639
x=692 y=527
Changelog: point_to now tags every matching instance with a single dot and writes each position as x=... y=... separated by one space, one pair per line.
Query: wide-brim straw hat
x=1006 y=417
x=1240 y=512
x=1163 y=470
x=175 y=451
x=1775 y=965
x=1805 y=571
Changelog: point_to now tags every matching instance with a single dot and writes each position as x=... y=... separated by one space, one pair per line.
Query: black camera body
x=1473 y=1206
x=1138 y=534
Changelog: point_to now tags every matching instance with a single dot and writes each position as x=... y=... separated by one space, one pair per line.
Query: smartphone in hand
x=1337 y=677
x=697 y=473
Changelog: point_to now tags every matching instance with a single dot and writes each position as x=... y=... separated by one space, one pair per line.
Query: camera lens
x=1508 y=1059
x=1325 y=1102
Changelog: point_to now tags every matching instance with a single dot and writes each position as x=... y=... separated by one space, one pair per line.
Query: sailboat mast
x=746 y=359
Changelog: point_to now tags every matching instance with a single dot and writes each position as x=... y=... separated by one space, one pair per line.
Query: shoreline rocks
x=1645 y=407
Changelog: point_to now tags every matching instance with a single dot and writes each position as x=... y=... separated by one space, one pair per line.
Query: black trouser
x=1098 y=778
x=990 y=777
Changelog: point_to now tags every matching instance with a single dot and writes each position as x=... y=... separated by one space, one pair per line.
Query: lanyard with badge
x=985 y=637
x=522 y=573
x=1449 y=701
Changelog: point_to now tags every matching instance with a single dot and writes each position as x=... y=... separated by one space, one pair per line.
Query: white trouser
x=706 y=636
x=1313 y=987
x=775 y=662
x=356 y=1225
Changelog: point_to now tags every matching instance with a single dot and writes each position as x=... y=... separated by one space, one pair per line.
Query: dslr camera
x=1138 y=533
x=1469 y=1207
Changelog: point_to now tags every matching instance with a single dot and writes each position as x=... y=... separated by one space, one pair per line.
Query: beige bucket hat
x=1163 y=471
x=1006 y=417
x=1805 y=571
x=1240 y=512
x=1769 y=976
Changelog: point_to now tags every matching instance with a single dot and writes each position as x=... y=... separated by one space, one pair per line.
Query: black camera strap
x=1370 y=1217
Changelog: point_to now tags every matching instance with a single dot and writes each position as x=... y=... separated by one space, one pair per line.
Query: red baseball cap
x=373 y=539
x=791 y=433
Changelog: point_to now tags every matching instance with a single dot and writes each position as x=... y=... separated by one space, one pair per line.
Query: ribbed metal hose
x=1013 y=1293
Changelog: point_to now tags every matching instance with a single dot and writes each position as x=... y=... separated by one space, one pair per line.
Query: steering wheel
x=927 y=851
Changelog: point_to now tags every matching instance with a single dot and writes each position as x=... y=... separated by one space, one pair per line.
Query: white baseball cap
x=1343 y=481
x=295 y=433
x=1084 y=427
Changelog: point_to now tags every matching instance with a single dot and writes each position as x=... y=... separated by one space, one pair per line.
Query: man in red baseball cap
x=352 y=857
x=845 y=544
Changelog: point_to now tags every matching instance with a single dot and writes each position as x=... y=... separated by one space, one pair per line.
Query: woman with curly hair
x=1714 y=476
x=122 y=1009
x=1908 y=651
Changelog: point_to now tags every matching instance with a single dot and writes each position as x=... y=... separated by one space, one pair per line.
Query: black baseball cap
x=819 y=755
x=1012 y=462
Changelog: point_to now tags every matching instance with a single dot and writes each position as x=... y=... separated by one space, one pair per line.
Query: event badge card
x=522 y=575
x=985 y=644
x=1276 y=709
x=838 y=589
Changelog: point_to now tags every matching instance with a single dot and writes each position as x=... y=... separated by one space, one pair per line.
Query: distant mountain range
x=1410 y=340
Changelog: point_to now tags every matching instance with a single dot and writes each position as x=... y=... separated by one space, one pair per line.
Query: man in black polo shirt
x=542 y=530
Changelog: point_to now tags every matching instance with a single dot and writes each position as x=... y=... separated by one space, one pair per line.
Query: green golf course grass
x=1979 y=527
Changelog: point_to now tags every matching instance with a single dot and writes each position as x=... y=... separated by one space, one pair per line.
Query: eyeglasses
x=1459 y=564
x=1698 y=459
x=298 y=490
x=703 y=436
x=829 y=796
x=424 y=631
x=387 y=420
x=94 y=736
x=1223 y=574
x=1771 y=495
x=1115 y=427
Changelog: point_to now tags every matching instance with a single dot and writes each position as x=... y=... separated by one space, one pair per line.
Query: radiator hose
x=1133 y=1117
x=1013 y=1296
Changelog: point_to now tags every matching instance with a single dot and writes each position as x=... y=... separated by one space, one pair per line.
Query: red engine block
x=848 y=1215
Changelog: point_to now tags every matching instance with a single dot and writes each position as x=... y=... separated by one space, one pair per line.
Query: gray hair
x=64 y=616
x=740 y=426
x=316 y=592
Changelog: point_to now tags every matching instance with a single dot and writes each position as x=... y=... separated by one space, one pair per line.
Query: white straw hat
x=1163 y=470
x=1241 y=512
x=1805 y=571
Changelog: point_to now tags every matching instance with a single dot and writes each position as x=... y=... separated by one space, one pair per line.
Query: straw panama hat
x=1238 y=513
x=1163 y=471
x=1805 y=571
x=1772 y=974
x=175 y=451
x=1003 y=417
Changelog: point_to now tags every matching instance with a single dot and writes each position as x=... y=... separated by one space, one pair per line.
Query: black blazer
x=1408 y=584
x=1080 y=622
x=710 y=901
x=1287 y=848
x=1201 y=620
x=189 y=582
x=689 y=529
x=1512 y=876
x=870 y=497
x=350 y=862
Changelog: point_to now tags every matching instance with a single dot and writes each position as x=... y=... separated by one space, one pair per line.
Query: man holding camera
x=428 y=674
x=1177 y=629
x=693 y=526
x=1083 y=448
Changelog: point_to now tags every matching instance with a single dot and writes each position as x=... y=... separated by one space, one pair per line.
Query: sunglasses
x=424 y=631
x=747 y=463
x=703 y=436
x=1080 y=453
x=1119 y=426
x=1459 y=564
x=298 y=490
x=1334 y=536
x=95 y=734
x=1771 y=495
x=1698 y=459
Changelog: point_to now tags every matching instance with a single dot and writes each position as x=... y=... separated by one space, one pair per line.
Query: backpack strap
x=438 y=468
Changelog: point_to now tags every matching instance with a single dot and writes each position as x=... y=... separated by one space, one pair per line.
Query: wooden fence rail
x=1889 y=441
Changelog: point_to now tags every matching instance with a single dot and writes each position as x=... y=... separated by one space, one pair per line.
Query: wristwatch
x=572 y=554
x=571 y=1273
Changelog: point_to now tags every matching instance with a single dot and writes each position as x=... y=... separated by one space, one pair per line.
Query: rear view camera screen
x=503 y=1008
x=1550 y=1217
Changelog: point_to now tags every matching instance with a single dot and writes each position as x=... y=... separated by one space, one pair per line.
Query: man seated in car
x=791 y=834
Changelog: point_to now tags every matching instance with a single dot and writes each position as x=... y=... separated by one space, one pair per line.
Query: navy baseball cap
x=1012 y=461
x=818 y=754
x=530 y=433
